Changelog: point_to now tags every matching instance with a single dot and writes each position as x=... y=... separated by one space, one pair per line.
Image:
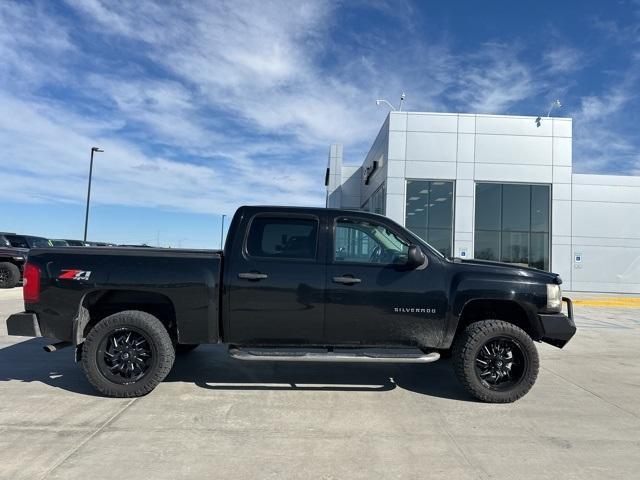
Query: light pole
x=86 y=216
x=222 y=232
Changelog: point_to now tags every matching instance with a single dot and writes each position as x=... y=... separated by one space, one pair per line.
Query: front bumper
x=23 y=324
x=558 y=328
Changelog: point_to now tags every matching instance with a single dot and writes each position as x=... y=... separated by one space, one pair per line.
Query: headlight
x=554 y=297
x=18 y=259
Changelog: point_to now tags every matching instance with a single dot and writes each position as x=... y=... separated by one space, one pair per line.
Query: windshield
x=35 y=242
x=17 y=241
x=416 y=240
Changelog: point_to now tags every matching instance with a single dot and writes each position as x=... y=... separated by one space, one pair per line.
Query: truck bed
x=183 y=285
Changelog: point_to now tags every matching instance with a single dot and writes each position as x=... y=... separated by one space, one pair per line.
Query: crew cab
x=295 y=285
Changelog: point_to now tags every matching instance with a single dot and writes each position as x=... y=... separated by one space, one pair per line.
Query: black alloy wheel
x=501 y=363
x=125 y=356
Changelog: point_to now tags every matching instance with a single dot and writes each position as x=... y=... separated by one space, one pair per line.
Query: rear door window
x=279 y=237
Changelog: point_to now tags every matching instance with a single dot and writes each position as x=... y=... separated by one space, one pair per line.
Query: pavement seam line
x=477 y=470
x=87 y=439
x=591 y=392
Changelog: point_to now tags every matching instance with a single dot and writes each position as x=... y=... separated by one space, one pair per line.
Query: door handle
x=346 y=280
x=253 y=276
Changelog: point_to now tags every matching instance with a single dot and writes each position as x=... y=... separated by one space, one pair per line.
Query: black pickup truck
x=294 y=284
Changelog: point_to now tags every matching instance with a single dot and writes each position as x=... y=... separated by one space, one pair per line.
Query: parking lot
x=215 y=417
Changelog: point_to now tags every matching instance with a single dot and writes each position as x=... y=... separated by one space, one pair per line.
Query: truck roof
x=282 y=208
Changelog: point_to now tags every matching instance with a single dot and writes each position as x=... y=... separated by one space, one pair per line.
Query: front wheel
x=495 y=361
x=127 y=354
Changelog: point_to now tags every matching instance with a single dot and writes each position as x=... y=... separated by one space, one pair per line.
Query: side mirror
x=415 y=257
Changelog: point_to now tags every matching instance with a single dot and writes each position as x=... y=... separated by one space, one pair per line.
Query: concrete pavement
x=215 y=417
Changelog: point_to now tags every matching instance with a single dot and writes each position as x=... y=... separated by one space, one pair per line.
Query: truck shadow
x=28 y=362
x=209 y=367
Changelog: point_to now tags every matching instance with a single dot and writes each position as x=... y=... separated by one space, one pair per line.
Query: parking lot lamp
x=222 y=232
x=86 y=216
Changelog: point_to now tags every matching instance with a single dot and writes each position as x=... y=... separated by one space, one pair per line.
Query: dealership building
x=499 y=188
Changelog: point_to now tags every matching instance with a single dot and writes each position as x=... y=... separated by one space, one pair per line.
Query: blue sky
x=204 y=106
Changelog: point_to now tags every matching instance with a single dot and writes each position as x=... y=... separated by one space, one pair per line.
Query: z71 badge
x=75 y=274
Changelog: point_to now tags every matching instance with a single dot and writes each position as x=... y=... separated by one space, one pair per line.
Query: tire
x=496 y=361
x=184 y=348
x=140 y=338
x=9 y=275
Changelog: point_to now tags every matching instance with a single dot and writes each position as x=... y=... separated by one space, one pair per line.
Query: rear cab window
x=283 y=237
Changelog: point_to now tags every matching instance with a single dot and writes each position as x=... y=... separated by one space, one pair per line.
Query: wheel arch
x=99 y=304
x=507 y=310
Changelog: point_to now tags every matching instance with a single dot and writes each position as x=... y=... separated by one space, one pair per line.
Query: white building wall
x=606 y=233
x=379 y=152
x=466 y=149
x=594 y=216
x=334 y=177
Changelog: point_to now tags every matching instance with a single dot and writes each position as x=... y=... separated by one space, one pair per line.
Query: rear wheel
x=127 y=354
x=9 y=275
x=495 y=361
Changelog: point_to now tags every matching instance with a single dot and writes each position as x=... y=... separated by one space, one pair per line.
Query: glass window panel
x=540 y=208
x=417 y=220
x=440 y=239
x=487 y=245
x=282 y=237
x=488 y=206
x=429 y=212
x=417 y=207
x=515 y=247
x=524 y=212
x=516 y=211
x=539 y=257
x=441 y=205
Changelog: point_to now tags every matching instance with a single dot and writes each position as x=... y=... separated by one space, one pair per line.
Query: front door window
x=366 y=242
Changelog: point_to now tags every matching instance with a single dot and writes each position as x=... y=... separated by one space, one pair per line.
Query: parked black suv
x=12 y=257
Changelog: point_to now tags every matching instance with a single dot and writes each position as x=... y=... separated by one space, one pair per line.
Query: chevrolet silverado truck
x=294 y=285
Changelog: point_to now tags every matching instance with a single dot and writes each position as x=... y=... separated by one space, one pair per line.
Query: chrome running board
x=353 y=355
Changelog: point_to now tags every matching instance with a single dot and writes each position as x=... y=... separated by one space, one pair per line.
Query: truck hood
x=500 y=267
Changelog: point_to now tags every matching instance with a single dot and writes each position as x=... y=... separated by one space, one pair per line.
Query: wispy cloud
x=564 y=59
x=495 y=79
x=605 y=143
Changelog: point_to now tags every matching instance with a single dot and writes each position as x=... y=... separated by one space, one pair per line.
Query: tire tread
x=14 y=274
x=154 y=329
x=462 y=355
